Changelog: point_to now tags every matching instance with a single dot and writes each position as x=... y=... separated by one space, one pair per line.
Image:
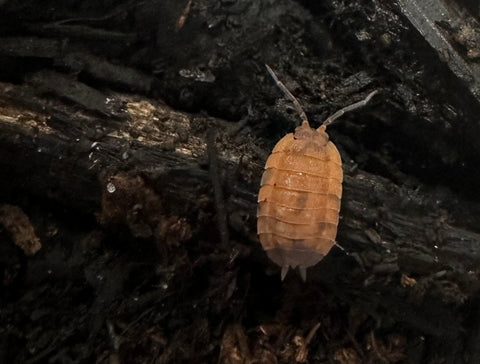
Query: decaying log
x=75 y=157
x=124 y=189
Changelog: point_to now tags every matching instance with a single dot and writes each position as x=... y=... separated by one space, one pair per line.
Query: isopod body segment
x=299 y=198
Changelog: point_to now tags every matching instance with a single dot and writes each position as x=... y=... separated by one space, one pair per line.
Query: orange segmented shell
x=299 y=198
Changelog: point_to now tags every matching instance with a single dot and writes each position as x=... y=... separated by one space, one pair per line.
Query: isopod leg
x=303 y=273
x=284 y=272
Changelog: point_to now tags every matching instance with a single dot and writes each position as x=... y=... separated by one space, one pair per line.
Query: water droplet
x=111 y=187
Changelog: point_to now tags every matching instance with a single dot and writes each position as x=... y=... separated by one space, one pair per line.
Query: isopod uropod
x=300 y=193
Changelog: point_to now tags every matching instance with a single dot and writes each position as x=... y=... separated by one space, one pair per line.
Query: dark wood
x=148 y=226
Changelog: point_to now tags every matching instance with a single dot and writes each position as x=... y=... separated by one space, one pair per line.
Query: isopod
x=300 y=193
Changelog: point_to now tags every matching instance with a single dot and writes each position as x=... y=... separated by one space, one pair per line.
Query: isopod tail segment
x=304 y=257
x=301 y=270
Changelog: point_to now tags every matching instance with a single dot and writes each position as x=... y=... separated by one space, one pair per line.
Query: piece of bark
x=20 y=228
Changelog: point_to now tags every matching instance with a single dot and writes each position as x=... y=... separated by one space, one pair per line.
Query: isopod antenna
x=348 y=108
x=287 y=93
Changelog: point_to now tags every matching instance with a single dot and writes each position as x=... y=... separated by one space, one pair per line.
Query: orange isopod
x=300 y=193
